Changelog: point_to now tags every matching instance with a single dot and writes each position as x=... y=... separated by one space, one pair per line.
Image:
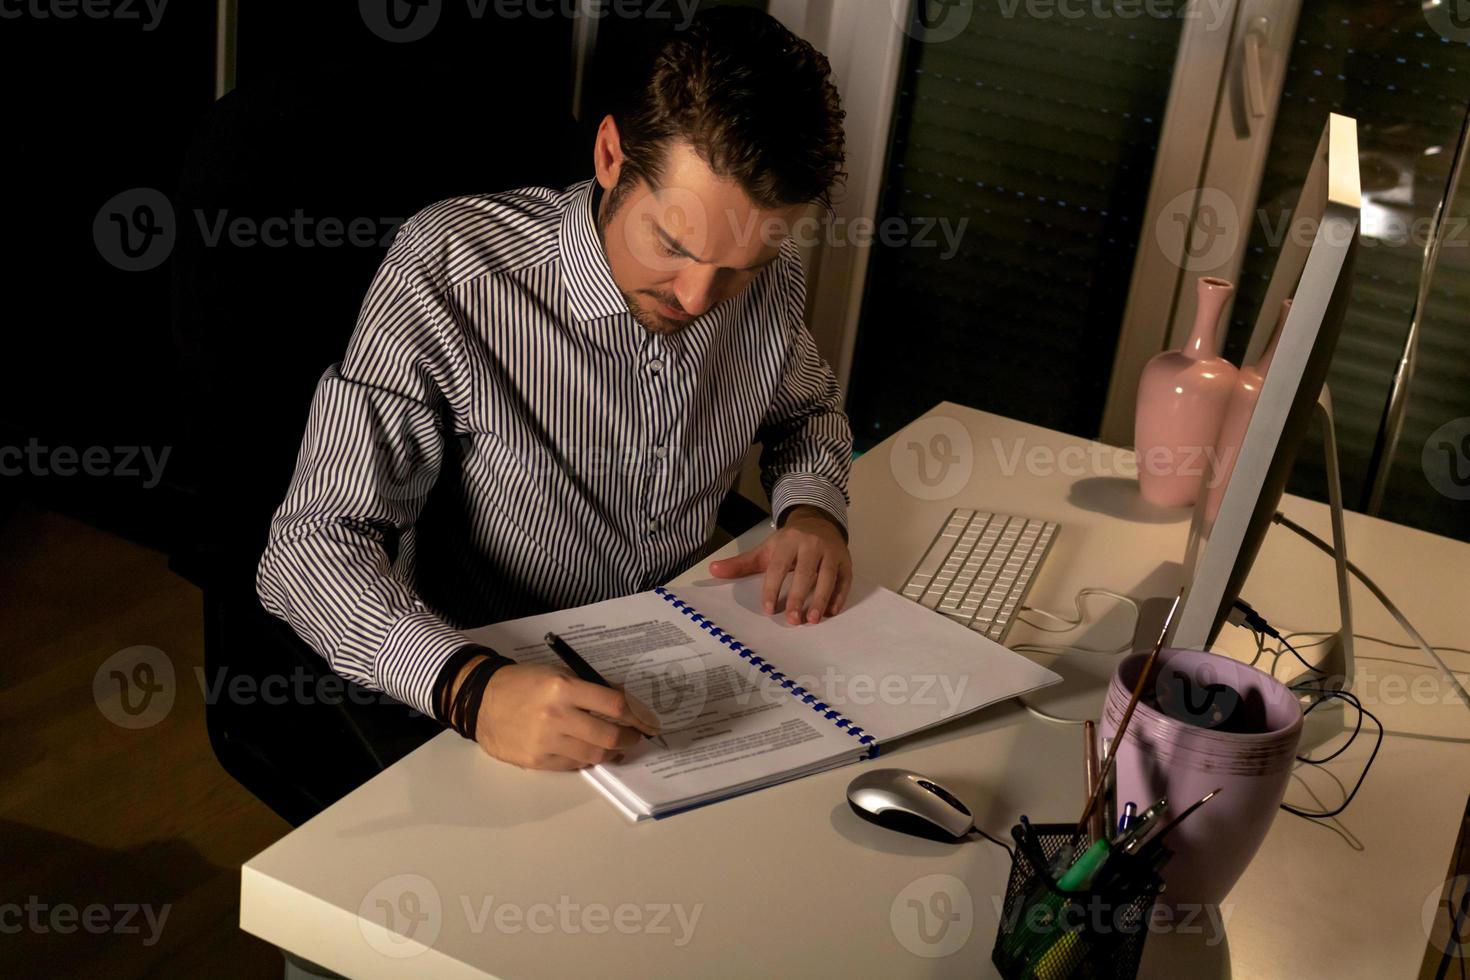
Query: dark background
x=204 y=354
x=330 y=118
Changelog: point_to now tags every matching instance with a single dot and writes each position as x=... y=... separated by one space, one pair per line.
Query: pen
x=583 y=669
x=1132 y=839
x=1110 y=790
x=1156 y=842
x=1130 y=809
x=1128 y=842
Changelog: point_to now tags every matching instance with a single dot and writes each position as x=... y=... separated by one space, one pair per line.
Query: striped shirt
x=503 y=438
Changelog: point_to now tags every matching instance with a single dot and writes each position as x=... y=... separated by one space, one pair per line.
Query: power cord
x=1063 y=649
x=1070 y=624
x=1079 y=618
x=1260 y=649
x=1393 y=610
x=1261 y=628
x=1327 y=694
x=1054 y=719
x=1297 y=654
x=1243 y=614
x=1327 y=635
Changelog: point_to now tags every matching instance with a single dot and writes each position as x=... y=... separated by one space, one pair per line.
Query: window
x=1022 y=152
x=1408 y=86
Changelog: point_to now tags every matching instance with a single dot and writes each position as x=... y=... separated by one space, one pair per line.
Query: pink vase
x=1182 y=396
x=1237 y=419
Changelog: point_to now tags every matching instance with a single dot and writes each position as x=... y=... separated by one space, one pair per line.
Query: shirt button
x=655 y=366
x=652 y=526
x=660 y=452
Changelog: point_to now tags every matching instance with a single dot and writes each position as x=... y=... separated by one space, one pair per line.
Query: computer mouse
x=910 y=804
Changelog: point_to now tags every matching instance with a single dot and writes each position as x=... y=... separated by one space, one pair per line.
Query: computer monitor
x=1271 y=413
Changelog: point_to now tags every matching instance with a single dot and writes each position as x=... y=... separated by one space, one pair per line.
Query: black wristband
x=476 y=683
x=462 y=713
x=444 y=682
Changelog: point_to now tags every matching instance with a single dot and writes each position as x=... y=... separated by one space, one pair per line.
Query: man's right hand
x=543 y=717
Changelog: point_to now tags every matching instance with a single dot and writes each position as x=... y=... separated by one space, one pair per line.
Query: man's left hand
x=810 y=548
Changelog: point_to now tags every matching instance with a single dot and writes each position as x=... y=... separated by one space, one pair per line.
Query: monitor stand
x=1336 y=665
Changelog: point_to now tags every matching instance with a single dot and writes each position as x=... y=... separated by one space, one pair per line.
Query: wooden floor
x=93 y=814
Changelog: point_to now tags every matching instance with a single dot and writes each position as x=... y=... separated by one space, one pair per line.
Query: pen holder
x=1088 y=934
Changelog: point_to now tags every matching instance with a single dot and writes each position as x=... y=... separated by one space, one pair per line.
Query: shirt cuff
x=414 y=653
x=810 y=489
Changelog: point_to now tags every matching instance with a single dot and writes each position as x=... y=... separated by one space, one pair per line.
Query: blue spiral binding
x=766 y=667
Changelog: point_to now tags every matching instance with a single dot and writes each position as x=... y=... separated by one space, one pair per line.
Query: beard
x=648 y=318
x=652 y=320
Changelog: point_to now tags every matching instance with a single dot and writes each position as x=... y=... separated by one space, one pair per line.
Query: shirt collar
x=589 y=282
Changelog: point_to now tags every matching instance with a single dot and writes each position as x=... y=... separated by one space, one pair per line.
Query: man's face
x=677 y=250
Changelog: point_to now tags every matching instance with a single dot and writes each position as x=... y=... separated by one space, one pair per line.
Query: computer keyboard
x=979 y=568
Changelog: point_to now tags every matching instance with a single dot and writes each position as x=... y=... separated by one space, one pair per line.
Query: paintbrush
x=1155 y=841
x=1143 y=677
x=1095 y=829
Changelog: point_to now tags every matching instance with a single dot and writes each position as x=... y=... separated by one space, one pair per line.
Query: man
x=548 y=393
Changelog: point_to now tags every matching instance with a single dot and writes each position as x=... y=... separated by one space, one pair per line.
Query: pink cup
x=1163 y=757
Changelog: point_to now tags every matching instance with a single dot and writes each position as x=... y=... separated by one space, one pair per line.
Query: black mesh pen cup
x=1047 y=933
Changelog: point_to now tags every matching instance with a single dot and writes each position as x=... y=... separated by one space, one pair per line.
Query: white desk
x=531 y=874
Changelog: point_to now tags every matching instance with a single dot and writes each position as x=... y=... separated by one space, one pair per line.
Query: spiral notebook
x=747 y=701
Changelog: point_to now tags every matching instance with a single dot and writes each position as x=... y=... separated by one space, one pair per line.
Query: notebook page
x=638 y=641
x=724 y=725
x=886 y=663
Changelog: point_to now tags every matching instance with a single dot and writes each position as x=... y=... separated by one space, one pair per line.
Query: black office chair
x=256 y=326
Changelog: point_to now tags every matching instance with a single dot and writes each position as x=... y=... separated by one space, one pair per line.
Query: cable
x=1054 y=719
x=1260 y=647
x=1387 y=604
x=1071 y=624
x=1295 y=653
x=1060 y=650
x=1350 y=699
x=1241 y=612
x=996 y=841
x=1329 y=634
x=1341 y=749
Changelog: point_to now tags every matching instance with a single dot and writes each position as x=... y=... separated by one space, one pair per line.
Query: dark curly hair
x=755 y=101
